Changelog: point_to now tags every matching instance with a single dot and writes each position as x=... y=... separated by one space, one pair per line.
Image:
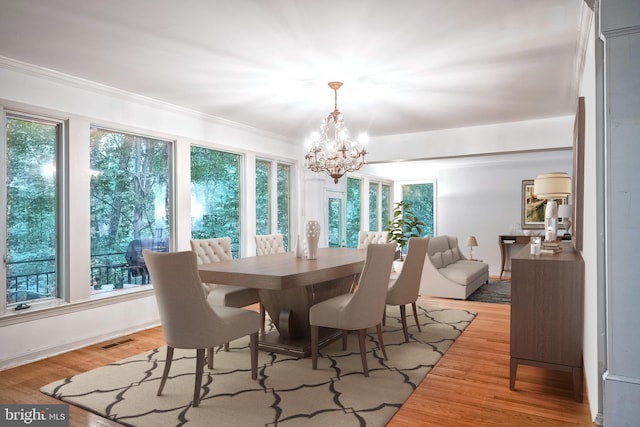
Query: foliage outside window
x=130 y=206
x=263 y=197
x=284 y=200
x=353 y=211
x=31 y=209
x=385 y=203
x=421 y=198
x=215 y=196
x=373 y=207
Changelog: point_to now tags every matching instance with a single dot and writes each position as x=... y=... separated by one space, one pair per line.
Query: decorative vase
x=313 y=236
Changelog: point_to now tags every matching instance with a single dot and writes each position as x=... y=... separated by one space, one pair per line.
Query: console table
x=505 y=242
x=547 y=294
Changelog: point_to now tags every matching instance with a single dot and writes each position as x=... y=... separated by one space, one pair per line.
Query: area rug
x=287 y=393
x=496 y=291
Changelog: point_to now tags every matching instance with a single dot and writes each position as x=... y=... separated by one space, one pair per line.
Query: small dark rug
x=496 y=291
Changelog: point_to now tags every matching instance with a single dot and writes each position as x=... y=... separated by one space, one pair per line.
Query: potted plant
x=404 y=225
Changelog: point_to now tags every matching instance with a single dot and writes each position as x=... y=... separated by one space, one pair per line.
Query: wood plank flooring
x=468 y=387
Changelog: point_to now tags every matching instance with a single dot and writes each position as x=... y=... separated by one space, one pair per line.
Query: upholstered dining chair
x=404 y=289
x=359 y=310
x=188 y=320
x=216 y=250
x=269 y=244
x=365 y=238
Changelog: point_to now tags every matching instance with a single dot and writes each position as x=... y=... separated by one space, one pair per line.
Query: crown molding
x=102 y=89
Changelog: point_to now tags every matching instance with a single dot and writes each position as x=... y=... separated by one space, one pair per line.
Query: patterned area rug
x=287 y=393
x=496 y=291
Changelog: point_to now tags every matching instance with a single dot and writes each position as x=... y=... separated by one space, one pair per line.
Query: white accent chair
x=269 y=244
x=216 y=250
x=188 y=320
x=359 y=310
x=404 y=289
x=365 y=238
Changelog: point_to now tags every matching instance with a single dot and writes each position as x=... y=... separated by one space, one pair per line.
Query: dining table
x=288 y=286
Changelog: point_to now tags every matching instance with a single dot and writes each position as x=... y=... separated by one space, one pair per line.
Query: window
x=267 y=209
x=284 y=201
x=421 y=197
x=385 y=205
x=130 y=205
x=373 y=206
x=31 y=217
x=215 y=196
x=353 y=211
x=263 y=197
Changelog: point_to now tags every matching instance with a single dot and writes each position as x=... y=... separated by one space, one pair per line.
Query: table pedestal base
x=289 y=311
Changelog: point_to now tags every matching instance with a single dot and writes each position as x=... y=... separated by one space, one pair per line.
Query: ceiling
x=407 y=66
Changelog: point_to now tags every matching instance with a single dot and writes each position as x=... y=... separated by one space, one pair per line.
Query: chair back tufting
x=269 y=244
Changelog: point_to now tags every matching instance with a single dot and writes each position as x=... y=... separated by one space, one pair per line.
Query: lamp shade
x=471 y=241
x=554 y=185
x=564 y=211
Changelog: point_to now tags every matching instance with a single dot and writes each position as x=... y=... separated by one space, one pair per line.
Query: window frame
x=61 y=196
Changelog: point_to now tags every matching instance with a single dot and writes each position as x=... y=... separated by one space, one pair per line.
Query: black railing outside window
x=36 y=279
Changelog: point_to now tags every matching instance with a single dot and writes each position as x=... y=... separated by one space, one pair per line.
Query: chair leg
x=167 y=367
x=263 y=316
x=379 y=330
x=345 y=337
x=415 y=315
x=403 y=317
x=314 y=346
x=253 y=347
x=210 y=358
x=199 y=369
x=362 y=333
x=384 y=316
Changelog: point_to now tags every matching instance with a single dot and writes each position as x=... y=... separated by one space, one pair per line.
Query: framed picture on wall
x=533 y=208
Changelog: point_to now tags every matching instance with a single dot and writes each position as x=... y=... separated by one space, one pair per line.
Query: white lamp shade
x=564 y=211
x=471 y=241
x=554 y=185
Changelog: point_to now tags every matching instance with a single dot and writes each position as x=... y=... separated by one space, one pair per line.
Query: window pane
x=284 y=193
x=373 y=207
x=263 y=197
x=421 y=198
x=385 y=204
x=31 y=209
x=334 y=220
x=129 y=205
x=353 y=211
x=215 y=196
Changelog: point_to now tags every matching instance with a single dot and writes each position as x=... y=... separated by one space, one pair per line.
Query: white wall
x=531 y=135
x=593 y=303
x=479 y=196
x=620 y=32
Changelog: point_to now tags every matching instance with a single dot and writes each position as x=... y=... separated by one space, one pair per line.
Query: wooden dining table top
x=284 y=270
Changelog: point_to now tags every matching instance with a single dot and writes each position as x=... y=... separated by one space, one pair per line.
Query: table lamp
x=550 y=187
x=564 y=212
x=471 y=242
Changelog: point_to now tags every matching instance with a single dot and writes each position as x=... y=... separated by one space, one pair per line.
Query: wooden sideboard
x=505 y=241
x=547 y=294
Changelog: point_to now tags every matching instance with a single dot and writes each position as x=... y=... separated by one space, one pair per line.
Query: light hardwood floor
x=468 y=387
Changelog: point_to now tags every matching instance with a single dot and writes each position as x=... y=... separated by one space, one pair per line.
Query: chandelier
x=333 y=151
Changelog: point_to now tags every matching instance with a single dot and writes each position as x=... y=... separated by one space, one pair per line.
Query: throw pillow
x=436 y=260
x=447 y=257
